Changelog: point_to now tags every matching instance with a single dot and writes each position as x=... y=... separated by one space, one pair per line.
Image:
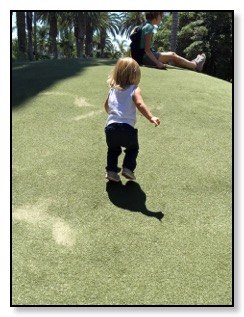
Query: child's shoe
x=112 y=176
x=128 y=174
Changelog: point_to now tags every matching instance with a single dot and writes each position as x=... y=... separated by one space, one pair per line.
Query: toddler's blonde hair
x=126 y=72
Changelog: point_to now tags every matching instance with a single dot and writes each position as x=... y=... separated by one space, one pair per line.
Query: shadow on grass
x=130 y=197
x=31 y=78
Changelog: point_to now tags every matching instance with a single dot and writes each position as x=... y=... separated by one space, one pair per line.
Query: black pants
x=121 y=135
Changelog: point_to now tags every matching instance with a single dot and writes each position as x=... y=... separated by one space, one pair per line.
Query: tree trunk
x=35 y=38
x=53 y=35
x=29 y=28
x=103 y=41
x=20 y=17
x=81 y=31
x=174 y=29
x=89 y=33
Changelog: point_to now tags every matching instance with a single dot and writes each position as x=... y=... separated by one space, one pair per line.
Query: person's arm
x=106 y=105
x=141 y=106
x=148 y=42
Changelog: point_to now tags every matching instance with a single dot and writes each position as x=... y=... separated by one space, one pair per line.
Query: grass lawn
x=80 y=240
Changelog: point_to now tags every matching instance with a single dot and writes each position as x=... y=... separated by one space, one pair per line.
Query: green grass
x=78 y=240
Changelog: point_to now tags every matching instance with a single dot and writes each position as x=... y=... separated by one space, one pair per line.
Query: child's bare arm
x=106 y=105
x=141 y=106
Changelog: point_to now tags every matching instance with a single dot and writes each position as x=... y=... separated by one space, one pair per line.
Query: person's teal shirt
x=148 y=28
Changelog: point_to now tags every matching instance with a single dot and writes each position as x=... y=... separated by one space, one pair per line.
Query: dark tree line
x=208 y=32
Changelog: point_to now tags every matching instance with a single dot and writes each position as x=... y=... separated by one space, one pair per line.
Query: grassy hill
x=79 y=240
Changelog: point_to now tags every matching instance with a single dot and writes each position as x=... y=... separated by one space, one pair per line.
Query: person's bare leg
x=177 y=60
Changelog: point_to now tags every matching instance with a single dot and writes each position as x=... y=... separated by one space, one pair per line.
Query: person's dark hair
x=153 y=15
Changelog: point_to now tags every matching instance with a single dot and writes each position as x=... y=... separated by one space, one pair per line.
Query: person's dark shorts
x=147 y=61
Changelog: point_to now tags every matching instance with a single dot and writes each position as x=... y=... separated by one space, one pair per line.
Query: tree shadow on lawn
x=131 y=197
x=31 y=78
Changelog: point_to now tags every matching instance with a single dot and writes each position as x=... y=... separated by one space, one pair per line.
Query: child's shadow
x=131 y=197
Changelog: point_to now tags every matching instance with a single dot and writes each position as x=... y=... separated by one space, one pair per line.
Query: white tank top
x=121 y=108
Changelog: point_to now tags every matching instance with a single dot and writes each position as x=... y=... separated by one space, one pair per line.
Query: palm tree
x=35 y=37
x=92 y=26
x=129 y=20
x=53 y=34
x=108 y=23
x=20 y=19
x=42 y=39
x=85 y=24
x=89 y=35
x=51 y=17
x=29 y=28
x=121 y=45
x=66 y=37
x=174 y=29
x=80 y=30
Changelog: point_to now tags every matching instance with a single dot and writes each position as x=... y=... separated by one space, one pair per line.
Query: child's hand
x=155 y=120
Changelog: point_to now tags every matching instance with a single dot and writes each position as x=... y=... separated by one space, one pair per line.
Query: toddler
x=121 y=103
